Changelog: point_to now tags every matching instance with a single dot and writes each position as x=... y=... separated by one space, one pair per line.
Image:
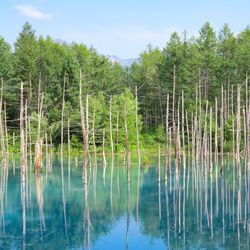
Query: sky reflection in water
x=192 y=210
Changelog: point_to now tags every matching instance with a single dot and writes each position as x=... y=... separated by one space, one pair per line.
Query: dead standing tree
x=3 y=148
x=126 y=132
x=23 y=162
x=137 y=129
x=167 y=139
x=238 y=127
x=38 y=145
x=84 y=125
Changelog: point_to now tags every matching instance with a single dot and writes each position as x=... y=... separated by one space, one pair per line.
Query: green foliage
x=5 y=59
x=203 y=63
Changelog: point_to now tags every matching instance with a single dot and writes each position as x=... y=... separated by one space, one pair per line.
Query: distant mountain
x=124 y=62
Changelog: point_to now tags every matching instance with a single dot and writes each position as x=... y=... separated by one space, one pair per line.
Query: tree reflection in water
x=126 y=206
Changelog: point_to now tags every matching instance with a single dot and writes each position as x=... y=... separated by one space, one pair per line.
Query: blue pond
x=193 y=209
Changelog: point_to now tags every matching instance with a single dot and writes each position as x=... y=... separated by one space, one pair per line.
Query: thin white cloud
x=30 y=11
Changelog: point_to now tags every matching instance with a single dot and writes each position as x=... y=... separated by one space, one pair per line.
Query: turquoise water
x=192 y=210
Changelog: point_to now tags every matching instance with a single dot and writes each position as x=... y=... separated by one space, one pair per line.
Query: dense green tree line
x=204 y=62
x=207 y=62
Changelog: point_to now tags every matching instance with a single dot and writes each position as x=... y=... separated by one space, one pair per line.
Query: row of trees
x=208 y=62
x=203 y=64
x=55 y=64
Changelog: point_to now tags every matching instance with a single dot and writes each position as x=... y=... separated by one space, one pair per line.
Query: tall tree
x=25 y=59
x=208 y=59
x=5 y=59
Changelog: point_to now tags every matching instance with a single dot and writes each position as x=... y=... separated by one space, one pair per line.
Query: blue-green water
x=192 y=210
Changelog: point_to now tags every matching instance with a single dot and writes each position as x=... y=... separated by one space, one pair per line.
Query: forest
x=194 y=84
x=162 y=146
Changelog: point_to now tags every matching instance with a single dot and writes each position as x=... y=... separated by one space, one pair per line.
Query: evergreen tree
x=5 y=59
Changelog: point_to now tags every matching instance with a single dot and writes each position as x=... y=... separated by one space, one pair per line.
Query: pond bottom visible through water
x=193 y=209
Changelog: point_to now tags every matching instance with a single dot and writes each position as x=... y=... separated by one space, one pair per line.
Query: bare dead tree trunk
x=38 y=145
x=117 y=128
x=84 y=132
x=233 y=120
x=93 y=135
x=87 y=125
x=26 y=128
x=211 y=140
x=22 y=135
x=23 y=162
x=30 y=142
x=166 y=142
x=204 y=144
x=173 y=105
x=216 y=132
x=6 y=130
x=193 y=135
x=51 y=151
x=126 y=129
x=30 y=89
x=228 y=98
x=62 y=115
x=46 y=155
x=183 y=127
x=3 y=148
x=195 y=129
x=247 y=122
x=248 y=136
x=245 y=138
x=238 y=127
x=111 y=128
x=137 y=129
x=246 y=90
x=188 y=134
x=26 y=149
x=173 y=116
x=222 y=128
x=69 y=146
x=177 y=139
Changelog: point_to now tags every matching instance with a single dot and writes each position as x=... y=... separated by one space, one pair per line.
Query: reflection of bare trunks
x=86 y=219
x=39 y=196
x=128 y=203
x=63 y=198
x=3 y=193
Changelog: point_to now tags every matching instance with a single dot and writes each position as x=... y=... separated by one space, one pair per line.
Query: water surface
x=191 y=210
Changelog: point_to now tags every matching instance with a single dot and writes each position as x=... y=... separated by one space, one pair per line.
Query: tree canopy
x=205 y=62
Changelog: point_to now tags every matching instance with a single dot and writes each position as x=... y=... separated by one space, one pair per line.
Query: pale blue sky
x=122 y=28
